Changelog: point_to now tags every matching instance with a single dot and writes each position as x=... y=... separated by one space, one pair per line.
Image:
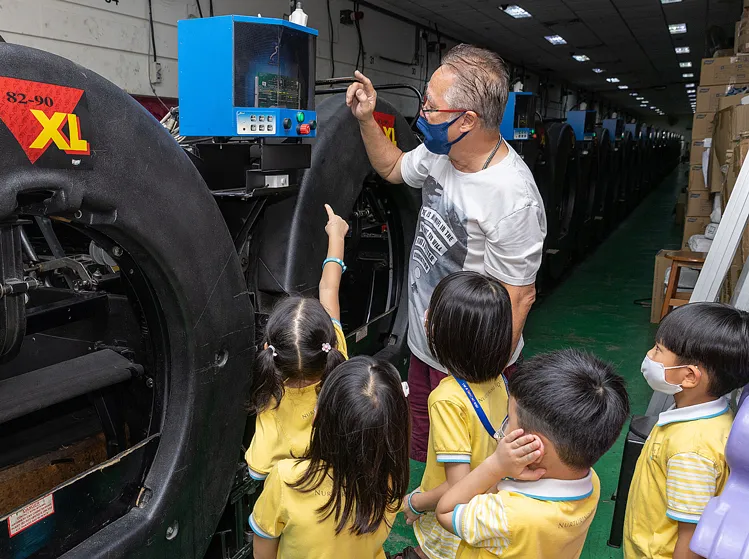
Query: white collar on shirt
x=690 y=413
x=551 y=489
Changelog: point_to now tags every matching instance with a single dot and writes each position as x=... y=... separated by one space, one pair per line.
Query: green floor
x=594 y=309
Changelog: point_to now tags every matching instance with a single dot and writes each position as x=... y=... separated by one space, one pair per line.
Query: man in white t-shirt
x=481 y=210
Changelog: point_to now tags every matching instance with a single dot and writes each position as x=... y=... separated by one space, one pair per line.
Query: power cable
x=332 y=49
x=155 y=57
x=153 y=34
x=210 y=7
x=200 y=10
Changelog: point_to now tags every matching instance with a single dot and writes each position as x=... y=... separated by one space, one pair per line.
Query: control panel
x=518 y=122
x=275 y=122
x=246 y=77
x=583 y=123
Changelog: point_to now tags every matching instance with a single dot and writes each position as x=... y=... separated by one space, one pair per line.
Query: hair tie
x=326 y=347
x=273 y=349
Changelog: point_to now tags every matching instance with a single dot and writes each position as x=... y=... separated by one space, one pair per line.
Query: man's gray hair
x=481 y=83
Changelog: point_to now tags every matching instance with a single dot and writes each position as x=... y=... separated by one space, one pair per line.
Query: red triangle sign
x=35 y=113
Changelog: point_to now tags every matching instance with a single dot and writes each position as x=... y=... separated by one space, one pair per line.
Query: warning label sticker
x=52 y=123
x=30 y=515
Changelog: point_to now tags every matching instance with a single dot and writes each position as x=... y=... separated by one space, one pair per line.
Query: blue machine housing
x=518 y=121
x=583 y=123
x=246 y=76
x=632 y=129
x=615 y=126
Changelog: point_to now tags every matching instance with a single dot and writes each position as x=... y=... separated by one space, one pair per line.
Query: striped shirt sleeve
x=450 y=432
x=483 y=523
x=690 y=484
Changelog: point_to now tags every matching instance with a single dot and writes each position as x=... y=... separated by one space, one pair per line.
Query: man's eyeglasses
x=428 y=111
x=502 y=433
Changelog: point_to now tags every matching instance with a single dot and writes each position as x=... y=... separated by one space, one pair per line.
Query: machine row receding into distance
x=138 y=268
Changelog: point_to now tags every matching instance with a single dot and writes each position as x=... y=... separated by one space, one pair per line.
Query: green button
x=300 y=117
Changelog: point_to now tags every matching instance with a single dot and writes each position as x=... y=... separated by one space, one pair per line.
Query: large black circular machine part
x=136 y=353
x=542 y=174
x=562 y=190
x=604 y=203
x=635 y=174
x=585 y=203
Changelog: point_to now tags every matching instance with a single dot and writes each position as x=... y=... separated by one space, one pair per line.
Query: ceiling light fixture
x=682 y=50
x=580 y=57
x=677 y=28
x=555 y=40
x=670 y=1
x=685 y=64
x=640 y=98
x=689 y=85
x=623 y=87
x=612 y=80
x=515 y=11
x=688 y=75
x=652 y=108
x=633 y=94
x=599 y=70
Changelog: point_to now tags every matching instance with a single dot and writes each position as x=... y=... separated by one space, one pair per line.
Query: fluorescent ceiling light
x=690 y=91
x=555 y=40
x=580 y=57
x=599 y=70
x=623 y=87
x=653 y=108
x=633 y=94
x=685 y=64
x=689 y=85
x=515 y=11
x=682 y=50
x=670 y=1
x=612 y=80
x=688 y=75
x=677 y=28
x=640 y=98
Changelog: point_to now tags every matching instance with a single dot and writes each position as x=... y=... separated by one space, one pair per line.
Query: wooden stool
x=680 y=259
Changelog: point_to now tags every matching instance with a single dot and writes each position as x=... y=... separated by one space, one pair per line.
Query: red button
x=304 y=129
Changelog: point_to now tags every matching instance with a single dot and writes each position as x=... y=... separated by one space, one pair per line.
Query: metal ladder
x=717 y=264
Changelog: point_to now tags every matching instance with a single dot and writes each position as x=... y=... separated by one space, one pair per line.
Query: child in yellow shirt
x=537 y=494
x=701 y=354
x=469 y=330
x=340 y=499
x=303 y=343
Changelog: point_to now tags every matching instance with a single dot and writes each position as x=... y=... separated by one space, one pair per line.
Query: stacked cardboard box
x=741 y=42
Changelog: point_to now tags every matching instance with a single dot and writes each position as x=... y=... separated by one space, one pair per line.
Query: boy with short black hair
x=566 y=410
x=701 y=354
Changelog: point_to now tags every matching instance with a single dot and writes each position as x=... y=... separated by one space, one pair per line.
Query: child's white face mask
x=655 y=375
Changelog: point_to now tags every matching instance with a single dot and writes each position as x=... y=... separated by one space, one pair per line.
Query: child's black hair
x=575 y=400
x=298 y=334
x=360 y=438
x=713 y=336
x=469 y=326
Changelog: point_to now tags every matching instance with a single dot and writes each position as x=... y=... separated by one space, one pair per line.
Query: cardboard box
x=680 y=210
x=729 y=125
x=724 y=71
x=696 y=152
x=730 y=101
x=694 y=226
x=702 y=126
x=699 y=203
x=659 y=289
x=708 y=97
x=717 y=171
x=697 y=178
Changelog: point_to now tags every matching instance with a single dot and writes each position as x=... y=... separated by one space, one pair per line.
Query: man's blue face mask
x=435 y=135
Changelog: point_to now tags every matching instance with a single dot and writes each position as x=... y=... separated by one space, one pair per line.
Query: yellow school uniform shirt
x=545 y=518
x=681 y=466
x=291 y=515
x=548 y=518
x=285 y=431
x=456 y=435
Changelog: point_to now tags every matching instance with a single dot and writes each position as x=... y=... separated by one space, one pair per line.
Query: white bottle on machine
x=299 y=17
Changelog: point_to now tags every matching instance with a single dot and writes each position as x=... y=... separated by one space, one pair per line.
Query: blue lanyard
x=477 y=407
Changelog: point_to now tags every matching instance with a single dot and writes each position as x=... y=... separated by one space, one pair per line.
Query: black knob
x=287 y=123
x=313 y=125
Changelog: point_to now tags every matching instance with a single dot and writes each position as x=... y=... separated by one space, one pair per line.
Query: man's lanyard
x=477 y=407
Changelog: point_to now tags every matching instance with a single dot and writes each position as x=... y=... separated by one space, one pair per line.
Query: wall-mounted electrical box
x=583 y=123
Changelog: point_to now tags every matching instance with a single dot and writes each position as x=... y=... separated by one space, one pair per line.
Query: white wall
x=114 y=39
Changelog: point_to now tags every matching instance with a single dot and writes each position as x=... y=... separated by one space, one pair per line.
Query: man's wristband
x=336 y=261
x=410 y=505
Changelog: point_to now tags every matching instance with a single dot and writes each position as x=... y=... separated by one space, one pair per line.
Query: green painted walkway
x=594 y=309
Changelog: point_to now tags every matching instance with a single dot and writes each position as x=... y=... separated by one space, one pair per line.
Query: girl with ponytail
x=303 y=343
